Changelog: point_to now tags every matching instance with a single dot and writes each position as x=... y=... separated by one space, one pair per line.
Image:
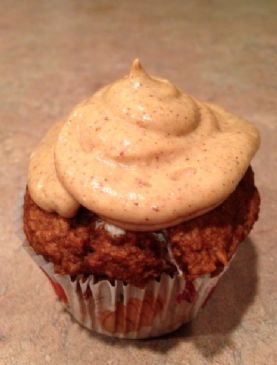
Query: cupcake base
x=126 y=311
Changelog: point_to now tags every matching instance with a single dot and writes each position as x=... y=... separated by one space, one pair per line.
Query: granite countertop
x=54 y=53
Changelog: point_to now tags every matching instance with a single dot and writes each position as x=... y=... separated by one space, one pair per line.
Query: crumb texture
x=203 y=245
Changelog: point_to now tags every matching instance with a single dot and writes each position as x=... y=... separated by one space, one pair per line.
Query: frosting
x=44 y=186
x=142 y=155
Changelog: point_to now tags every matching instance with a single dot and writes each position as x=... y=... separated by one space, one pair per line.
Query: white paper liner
x=127 y=311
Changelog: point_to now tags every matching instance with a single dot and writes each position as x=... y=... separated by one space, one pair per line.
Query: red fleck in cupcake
x=137 y=202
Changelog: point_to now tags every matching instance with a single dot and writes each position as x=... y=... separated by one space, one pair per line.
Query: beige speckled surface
x=52 y=54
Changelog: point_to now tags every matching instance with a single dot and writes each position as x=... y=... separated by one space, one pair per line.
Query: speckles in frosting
x=180 y=172
x=137 y=145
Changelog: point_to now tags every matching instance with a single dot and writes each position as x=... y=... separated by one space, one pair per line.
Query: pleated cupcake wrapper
x=126 y=311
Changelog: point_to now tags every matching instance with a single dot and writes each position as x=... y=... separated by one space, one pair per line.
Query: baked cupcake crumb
x=81 y=246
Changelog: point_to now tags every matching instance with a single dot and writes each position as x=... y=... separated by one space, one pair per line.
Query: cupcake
x=136 y=203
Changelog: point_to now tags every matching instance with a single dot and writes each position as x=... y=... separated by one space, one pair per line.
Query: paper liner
x=127 y=311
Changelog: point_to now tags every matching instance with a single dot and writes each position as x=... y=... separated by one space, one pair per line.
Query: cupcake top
x=142 y=155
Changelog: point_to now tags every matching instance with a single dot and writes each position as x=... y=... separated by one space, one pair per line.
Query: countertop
x=53 y=54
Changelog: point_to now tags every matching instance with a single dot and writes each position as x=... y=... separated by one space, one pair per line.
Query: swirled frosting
x=142 y=155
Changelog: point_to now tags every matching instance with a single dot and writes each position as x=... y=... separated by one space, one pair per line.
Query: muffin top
x=142 y=155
